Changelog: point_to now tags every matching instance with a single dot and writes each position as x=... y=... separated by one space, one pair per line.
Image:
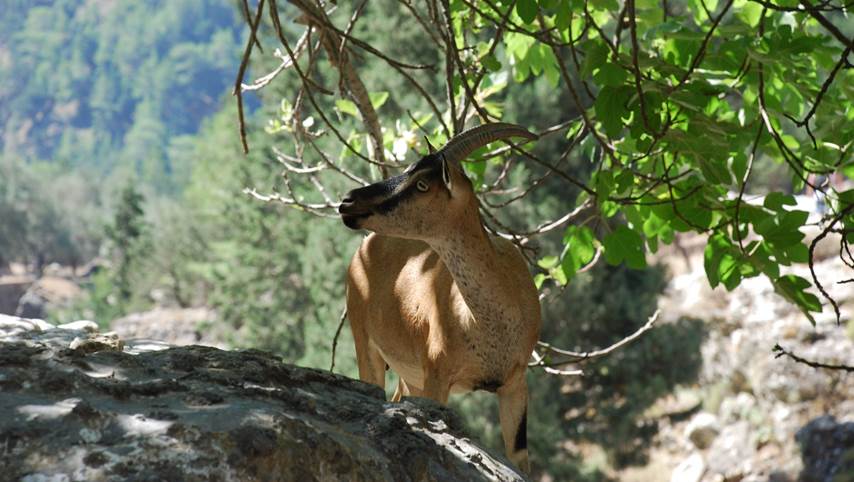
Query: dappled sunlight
x=101 y=370
x=48 y=412
x=138 y=424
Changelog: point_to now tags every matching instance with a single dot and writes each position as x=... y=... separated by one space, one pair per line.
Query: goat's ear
x=446 y=174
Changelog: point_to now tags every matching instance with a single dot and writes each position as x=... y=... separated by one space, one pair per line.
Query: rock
x=702 y=430
x=97 y=342
x=45 y=294
x=740 y=407
x=13 y=326
x=31 y=305
x=730 y=455
x=690 y=469
x=199 y=413
x=82 y=325
x=827 y=448
x=12 y=287
x=682 y=402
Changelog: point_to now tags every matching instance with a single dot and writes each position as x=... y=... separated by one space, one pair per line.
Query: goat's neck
x=472 y=260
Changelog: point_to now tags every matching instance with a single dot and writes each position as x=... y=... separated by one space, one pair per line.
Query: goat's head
x=432 y=194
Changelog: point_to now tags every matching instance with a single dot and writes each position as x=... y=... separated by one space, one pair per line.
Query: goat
x=434 y=297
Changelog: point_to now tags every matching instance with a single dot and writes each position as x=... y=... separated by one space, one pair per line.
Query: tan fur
x=448 y=309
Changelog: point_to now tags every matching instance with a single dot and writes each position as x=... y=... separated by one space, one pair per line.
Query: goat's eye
x=422 y=185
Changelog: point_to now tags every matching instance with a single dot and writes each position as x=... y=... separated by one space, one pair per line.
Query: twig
x=828 y=25
x=805 y=122
x=630 y=5
x=592 y=355
x=335 y=338
x=701 y=52
x=813 y=244
x=247 y=16
x=262 y=82
x=780 y=351
x=539 y=362
x=244 y=62
x=743 y=185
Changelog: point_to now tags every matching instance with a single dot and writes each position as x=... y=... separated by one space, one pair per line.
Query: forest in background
x=120 y=143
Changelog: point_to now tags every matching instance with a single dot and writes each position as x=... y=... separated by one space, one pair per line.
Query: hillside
x=98 y=84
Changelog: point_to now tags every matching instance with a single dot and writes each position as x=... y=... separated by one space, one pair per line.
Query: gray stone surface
x=827 y=447
x=78 y=405
x=702 y=429
x=690 y=469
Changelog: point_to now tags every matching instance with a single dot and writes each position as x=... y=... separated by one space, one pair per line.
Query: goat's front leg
x=436 y=386
x=513 y=414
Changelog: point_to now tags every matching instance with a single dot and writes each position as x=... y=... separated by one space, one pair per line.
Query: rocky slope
x=751 y=416
x=80 y=405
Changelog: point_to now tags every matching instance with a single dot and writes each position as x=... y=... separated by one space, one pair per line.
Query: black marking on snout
x=363 y=202
x=521 y=442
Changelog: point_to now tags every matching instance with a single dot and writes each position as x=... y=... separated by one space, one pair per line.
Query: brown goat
x=433 y=296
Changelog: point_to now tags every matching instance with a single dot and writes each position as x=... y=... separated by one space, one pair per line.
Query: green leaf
x=610 y=107
x=749 y=12
x=527 y=10
x=717 y=248
x=610 y=74
x=624 y=245
x=609 y=5
x=776 y=200
x=793 y=288
x=559 y=276
x=491 y=63
x=378 y=99
x=347 y=107
x=548 y=262
x=579 y=249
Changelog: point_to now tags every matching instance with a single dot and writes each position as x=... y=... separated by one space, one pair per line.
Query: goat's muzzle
x=351 y=212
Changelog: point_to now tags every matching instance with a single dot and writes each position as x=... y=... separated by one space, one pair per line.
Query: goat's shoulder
x=395 y=259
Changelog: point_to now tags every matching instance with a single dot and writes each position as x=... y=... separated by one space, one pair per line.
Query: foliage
x=46 y=215
x=669 y=111
x=106 y=85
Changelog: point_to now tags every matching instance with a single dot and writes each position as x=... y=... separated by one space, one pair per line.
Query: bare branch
x=335 y=338
x=813 y=244
x=780 y=351
x=313 y=208
x=262 y=82
x=578 y=357
x=241 y=71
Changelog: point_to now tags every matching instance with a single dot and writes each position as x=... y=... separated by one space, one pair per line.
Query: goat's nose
x=346 y=203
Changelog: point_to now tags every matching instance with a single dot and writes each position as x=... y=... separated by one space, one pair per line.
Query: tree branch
x=578 y=357
x=780 y=351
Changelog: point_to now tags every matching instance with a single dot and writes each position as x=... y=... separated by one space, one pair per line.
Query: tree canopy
x=663 y=111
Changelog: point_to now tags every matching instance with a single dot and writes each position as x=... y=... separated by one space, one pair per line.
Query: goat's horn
x=464 y=144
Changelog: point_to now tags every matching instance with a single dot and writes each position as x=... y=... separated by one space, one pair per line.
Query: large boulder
x=79 y=405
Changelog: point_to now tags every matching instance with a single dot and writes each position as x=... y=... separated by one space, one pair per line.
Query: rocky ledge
x=80 y=405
